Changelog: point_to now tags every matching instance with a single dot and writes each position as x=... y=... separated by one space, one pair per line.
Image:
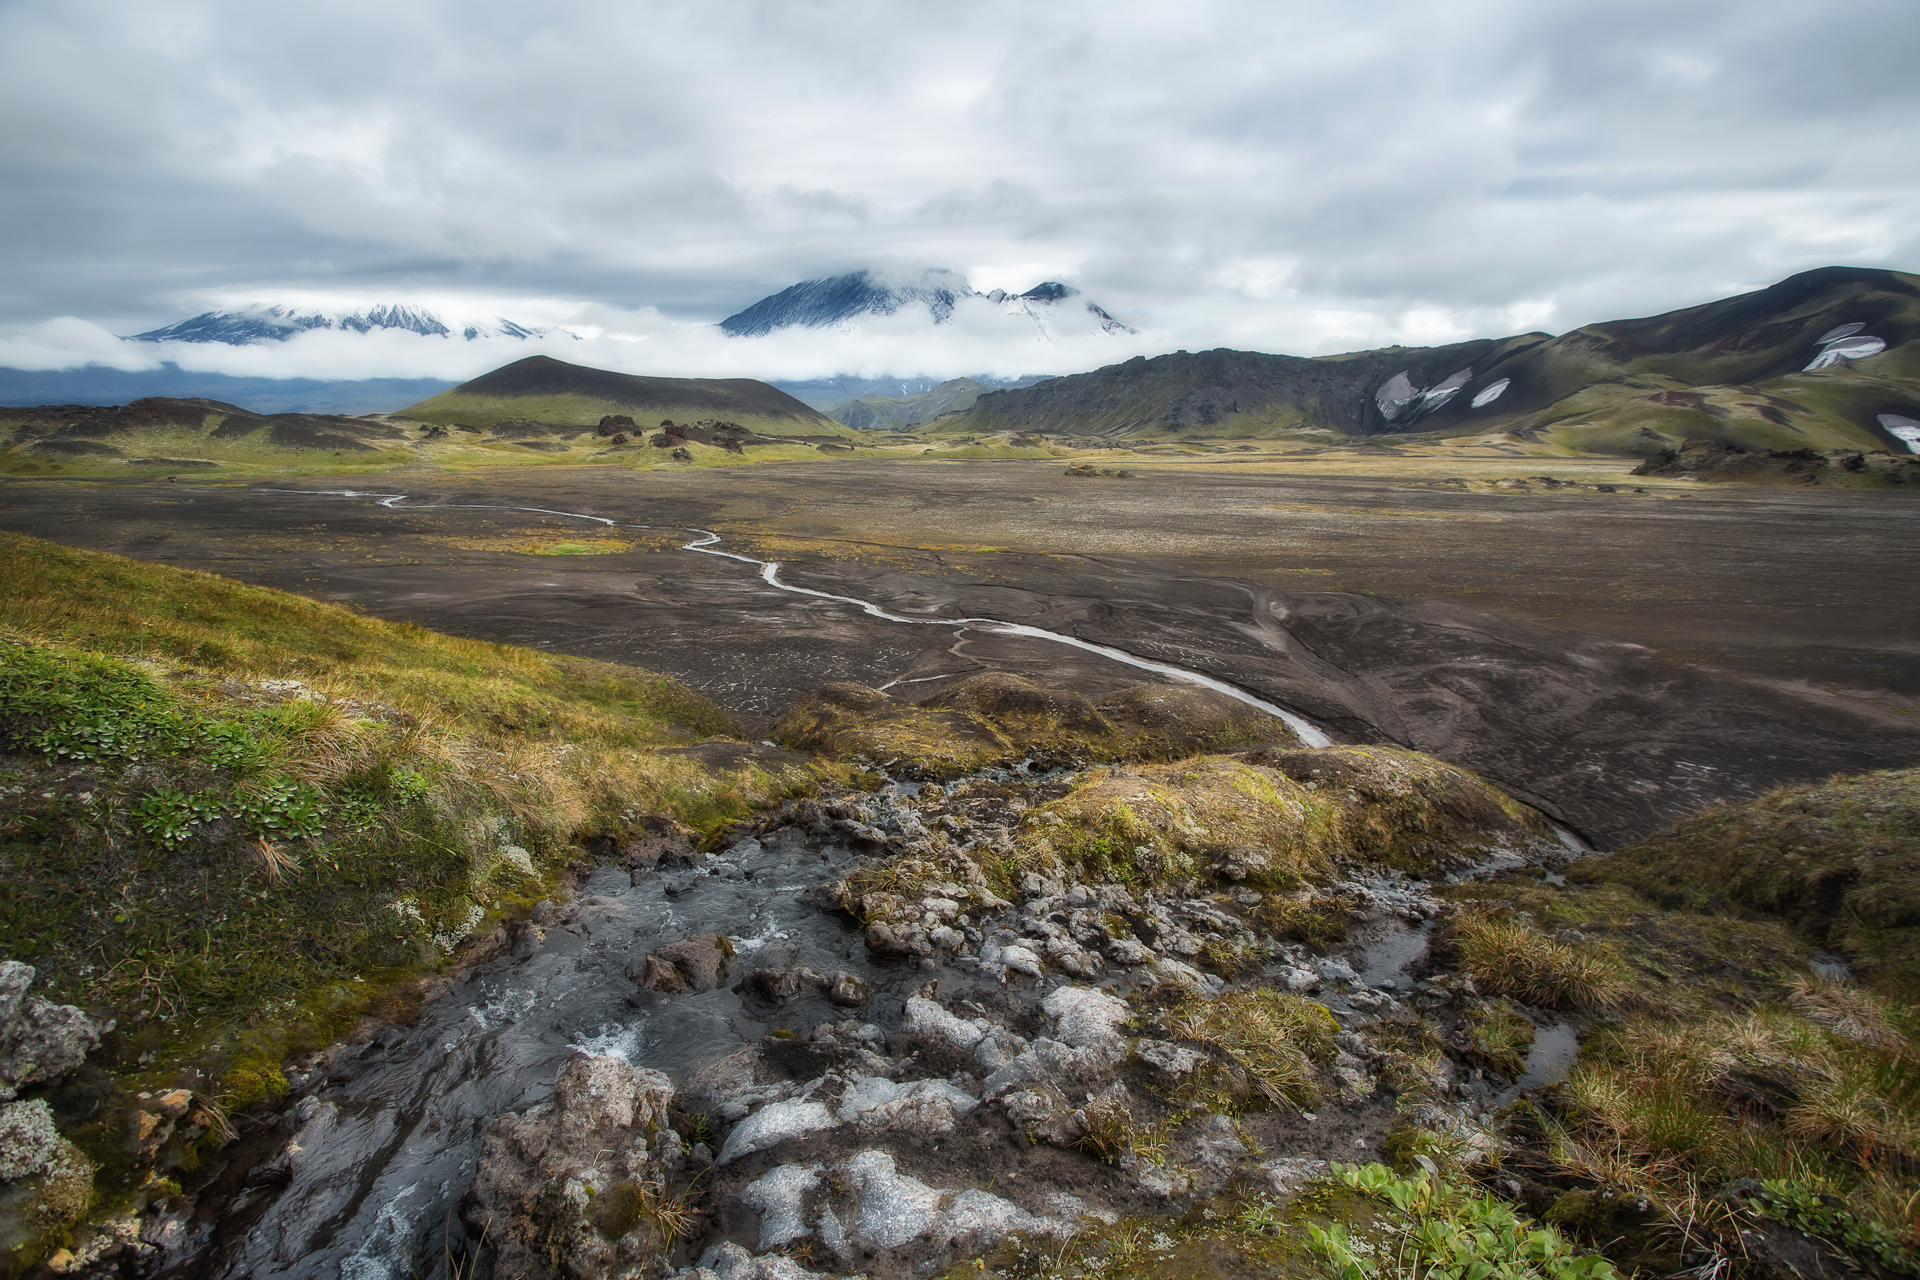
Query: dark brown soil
x=1619 y=661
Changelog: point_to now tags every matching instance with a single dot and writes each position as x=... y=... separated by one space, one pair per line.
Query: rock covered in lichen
x=39 y=1040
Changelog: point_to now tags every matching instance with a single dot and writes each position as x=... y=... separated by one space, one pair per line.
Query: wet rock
x=652 y=841
x=848 y=990
x=700 y=962
x=778 y=1196
x=712 y=1086
x=894 y=1208
x=898 y=940
x=529 y=1193
x=777 y=984
x=657 y=975
x=772 y=1125
x=922 y=1106
x=39 y=1040
x=926 y=1018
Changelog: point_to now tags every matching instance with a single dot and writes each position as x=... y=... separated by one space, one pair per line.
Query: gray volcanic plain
x=1618 y=659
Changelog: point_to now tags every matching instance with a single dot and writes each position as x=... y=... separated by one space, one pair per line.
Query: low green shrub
x=1430 y=1230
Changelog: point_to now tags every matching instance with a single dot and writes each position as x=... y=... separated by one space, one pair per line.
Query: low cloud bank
x=980 y=339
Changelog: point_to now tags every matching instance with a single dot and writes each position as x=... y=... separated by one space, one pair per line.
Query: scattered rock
x=925 y=1018
x=1084 y=1017
x=922 y=1106
x=894 y=1208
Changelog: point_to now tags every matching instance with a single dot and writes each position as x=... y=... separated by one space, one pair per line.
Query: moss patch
x=1840 y=860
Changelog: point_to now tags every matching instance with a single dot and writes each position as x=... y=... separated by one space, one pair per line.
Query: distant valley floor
x=1620 y=659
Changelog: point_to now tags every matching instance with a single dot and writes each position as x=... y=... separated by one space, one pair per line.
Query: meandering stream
x=704 y=544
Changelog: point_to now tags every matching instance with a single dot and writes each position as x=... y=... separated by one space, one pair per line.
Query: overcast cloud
x=1275 y=176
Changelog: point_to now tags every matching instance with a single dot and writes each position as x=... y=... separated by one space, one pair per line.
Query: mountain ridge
x=1828 y=358
x=272 y=322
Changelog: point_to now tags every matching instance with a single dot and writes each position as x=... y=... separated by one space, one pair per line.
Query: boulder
x=894 y=1208
x=699 y=962
x=1084 y=1017
x=778 y=1196
x=923 y=1106
x=530 y=1193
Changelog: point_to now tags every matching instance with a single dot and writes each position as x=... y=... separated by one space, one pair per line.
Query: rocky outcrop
x=999 y=718
x=578 y=1185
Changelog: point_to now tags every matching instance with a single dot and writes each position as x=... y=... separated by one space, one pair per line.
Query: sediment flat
x=1619 y=658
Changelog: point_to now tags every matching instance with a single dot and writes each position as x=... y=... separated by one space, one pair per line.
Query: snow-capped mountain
x=266 y=322
x=1044 y=303
x=843 y=300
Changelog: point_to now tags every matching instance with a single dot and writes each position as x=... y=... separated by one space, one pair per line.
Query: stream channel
x=388 y=1132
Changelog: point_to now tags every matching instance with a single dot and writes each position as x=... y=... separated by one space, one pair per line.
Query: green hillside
x=543 y=390
x=1736 y=370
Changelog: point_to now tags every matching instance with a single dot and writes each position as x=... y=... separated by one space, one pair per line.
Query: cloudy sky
x=1273 y=175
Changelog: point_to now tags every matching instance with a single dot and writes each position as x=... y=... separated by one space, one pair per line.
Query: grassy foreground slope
x=226 y=808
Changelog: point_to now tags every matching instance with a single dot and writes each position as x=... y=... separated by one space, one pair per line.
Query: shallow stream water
x=391 y=1140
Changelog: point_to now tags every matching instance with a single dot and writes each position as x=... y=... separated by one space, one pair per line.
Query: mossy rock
x=1406 y=809
x=1245 y=820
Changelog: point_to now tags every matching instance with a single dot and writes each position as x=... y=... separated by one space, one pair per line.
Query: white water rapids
x=1309 y=734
